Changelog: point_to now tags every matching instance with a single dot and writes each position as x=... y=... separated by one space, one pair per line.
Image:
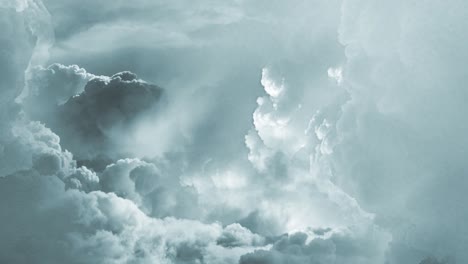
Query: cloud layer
x=286 y=132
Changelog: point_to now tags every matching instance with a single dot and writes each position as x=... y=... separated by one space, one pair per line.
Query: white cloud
x=336 y=74
x=57 y=82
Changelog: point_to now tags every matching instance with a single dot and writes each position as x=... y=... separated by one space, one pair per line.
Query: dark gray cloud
x=92 y=114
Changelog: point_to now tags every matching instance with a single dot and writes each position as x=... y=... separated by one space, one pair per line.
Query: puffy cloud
x=274 y=123
x=374 y=140
x=26 y=33
x=235 y=235
x=94 y=115
x=338 y=248
x=156 y=192
x=33 y=145
x=215 y=73
x=54 y=85
x=80 y=218
x=53 y=212
x=286 y=146
x=97 y=227
x=355 y=154
x=82 y=179
x=398 y=142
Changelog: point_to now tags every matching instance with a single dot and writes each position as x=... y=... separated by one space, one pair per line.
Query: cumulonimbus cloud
x=359 y=161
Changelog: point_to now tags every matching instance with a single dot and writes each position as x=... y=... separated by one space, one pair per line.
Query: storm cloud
x=325 y=132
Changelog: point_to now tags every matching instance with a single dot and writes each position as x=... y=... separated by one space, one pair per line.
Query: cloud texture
x=285 y=132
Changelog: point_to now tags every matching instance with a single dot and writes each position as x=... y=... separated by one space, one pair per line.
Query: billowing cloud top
x=273 y=132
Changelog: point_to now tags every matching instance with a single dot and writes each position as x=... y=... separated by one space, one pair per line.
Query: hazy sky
x=236 y=131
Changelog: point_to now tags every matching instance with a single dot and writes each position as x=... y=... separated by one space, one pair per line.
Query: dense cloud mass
x=92 y=113
x=272 y=132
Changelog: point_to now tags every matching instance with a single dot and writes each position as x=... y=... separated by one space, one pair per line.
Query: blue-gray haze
x=235 y=131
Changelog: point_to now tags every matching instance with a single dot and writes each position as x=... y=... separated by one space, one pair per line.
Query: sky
x=233 y=132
